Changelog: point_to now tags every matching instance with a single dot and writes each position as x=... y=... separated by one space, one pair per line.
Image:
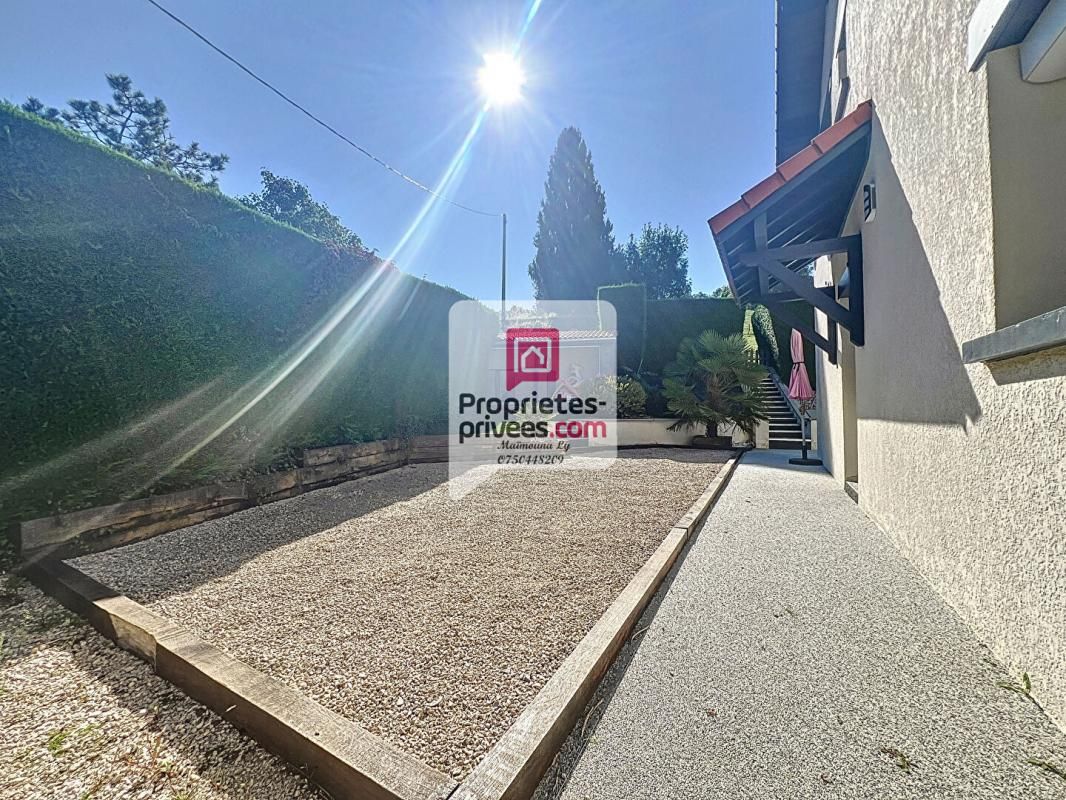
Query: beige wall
x=964 y=466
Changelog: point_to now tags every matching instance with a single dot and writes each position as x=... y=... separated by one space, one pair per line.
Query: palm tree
x=713 y=380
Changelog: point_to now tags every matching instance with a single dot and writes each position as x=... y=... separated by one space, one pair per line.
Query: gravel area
x=427 y=620
x=795 y=653
x=81 y=719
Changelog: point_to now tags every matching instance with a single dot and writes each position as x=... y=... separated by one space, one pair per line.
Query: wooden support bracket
x=828 y=345
x=770 y=263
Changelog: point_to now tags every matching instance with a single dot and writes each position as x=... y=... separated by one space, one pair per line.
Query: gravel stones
x=431 y=622
x=80 y=718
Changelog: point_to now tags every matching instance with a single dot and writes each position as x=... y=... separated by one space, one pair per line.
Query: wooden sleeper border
x=342 y=757
x=94 y=529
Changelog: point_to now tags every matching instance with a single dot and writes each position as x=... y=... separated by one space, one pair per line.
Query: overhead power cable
x=316 y=119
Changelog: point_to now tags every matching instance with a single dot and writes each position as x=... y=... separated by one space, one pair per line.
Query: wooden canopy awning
x=769 y=237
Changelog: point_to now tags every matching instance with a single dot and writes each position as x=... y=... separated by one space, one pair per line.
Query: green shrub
x=748 y=333
x=156 y=335
x=630 y=305
x=664 y=324
x=625 y=396
x=762 y=326
x=655 y=405
x=632 y=399
x=715 y=380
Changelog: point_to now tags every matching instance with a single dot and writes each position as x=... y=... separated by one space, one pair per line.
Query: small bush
x=625 y=396
x=632 y=399
x=713 y=381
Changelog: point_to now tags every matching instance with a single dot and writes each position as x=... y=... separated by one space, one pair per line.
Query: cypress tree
x=576 y=252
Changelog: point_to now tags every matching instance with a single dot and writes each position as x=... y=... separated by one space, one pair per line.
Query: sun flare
x=501 y=79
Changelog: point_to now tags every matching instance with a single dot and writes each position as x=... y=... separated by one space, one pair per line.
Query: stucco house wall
x=963 y=465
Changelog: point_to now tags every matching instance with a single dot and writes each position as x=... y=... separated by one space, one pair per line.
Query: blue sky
x=675 y=100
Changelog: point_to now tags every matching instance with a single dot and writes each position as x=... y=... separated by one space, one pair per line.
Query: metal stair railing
x=783 y=391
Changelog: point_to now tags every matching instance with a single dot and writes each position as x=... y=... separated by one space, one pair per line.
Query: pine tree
x=136 y=126
x=576 y=252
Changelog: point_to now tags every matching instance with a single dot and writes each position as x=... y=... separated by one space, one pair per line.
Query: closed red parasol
x=799 y=385
x=800 y=389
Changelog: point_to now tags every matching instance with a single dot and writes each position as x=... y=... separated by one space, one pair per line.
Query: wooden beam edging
x=343 y=758
x=94 y=530
x=512 y=769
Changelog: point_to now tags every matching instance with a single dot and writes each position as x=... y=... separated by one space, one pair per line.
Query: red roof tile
x=831 y=136
x=728 y=216
x=762 y=190
x=819 y=146
x=799 y=162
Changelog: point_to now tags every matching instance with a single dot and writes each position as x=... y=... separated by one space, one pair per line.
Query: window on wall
x=1038 y=26
x=843 y=82
x=1021 y=46
x=836 y=83
x=1016 y=43
x=1027 y=151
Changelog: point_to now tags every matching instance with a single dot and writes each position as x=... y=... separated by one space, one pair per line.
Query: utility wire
x=316 y=119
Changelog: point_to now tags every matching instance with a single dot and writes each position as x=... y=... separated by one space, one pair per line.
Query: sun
x=501 y=79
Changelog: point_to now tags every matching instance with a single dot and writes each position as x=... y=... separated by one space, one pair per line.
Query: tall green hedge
x=630 y=307
x=670 y=321
x=143 y=319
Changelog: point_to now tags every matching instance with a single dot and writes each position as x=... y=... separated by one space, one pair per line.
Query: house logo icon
x=532 y=355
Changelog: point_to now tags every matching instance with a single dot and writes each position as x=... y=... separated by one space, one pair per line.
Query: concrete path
x=803 y=660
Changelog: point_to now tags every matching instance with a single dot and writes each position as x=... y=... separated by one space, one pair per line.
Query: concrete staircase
x=786 y=431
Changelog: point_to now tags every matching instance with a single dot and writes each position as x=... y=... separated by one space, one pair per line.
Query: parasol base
x=806 y=462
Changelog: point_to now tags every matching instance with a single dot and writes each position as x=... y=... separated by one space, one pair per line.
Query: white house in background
x=922 y=174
